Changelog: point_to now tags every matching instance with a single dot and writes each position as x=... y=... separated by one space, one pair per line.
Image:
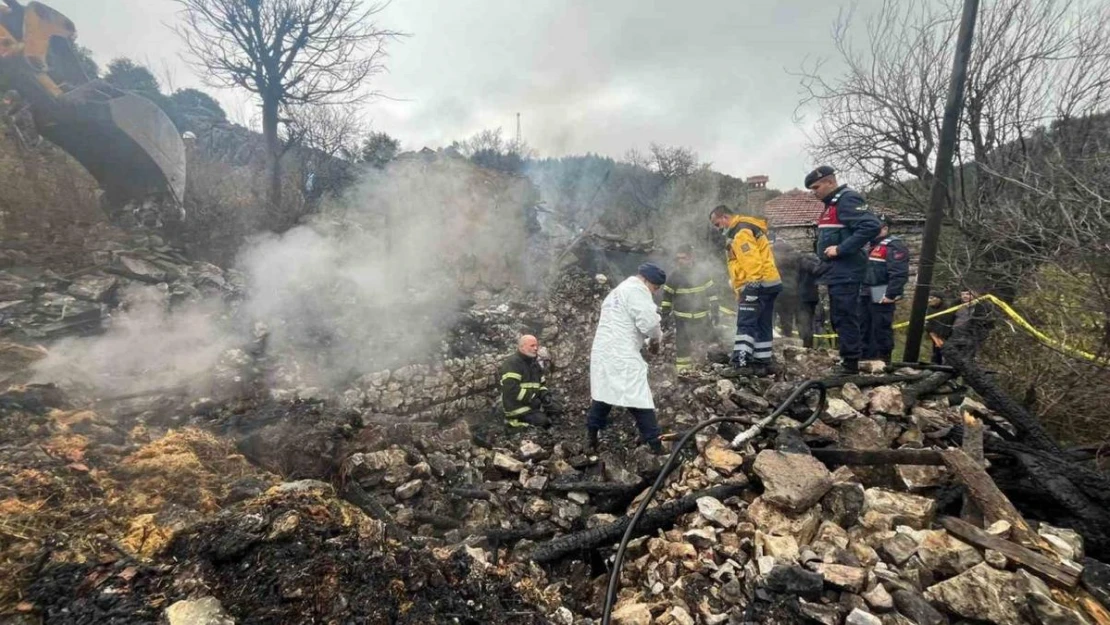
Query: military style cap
x=818 y=174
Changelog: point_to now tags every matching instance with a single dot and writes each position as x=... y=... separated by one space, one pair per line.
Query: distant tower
x=518 y=128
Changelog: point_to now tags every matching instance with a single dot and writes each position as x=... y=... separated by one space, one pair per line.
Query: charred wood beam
x=1065 y=492
x=988 y=499
x=917 y=390
x=652 y=520
x=1039 y=564
x=1088 y=517
x=470 y=493
x=878 y=457
x=611 y=489
x=437 y=521
x=1030 y=429
x=366 y=502
x=1095 y=483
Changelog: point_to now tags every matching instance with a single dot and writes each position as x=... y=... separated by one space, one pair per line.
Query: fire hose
x=738 y=442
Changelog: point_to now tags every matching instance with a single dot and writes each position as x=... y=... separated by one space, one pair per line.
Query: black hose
x=668 y=467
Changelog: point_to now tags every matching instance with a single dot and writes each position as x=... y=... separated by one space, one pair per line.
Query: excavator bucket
x=125 y=141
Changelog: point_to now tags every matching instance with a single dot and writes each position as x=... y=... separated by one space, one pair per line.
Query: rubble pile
x=38 y=304
x=403 y=498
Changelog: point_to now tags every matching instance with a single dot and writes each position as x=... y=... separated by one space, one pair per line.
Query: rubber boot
x=846 y=367
x=657 y=448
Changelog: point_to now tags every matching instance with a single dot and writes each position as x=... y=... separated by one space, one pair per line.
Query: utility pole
x=942 y=176
x=518 y=131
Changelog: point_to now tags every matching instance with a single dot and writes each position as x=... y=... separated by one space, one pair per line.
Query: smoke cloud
x=377 y=278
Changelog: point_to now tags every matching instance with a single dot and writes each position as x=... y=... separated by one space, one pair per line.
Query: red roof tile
x=793 y=208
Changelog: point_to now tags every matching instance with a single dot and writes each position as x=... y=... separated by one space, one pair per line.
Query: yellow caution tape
x=1011 y=313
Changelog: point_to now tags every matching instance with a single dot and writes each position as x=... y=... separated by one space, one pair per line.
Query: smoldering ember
x=317 y=374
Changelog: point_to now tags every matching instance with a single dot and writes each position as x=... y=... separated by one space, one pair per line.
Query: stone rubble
x=852 y=546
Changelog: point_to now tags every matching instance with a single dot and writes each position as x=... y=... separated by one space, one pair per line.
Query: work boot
x=537 y=419
x=657 y=448
x=591 y=440
x=846 y=367
x=753 y=370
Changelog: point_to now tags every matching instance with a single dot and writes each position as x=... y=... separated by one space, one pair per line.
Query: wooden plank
x=973 y=447
x=874 y=457
x=1028 y=558
x=988 y=497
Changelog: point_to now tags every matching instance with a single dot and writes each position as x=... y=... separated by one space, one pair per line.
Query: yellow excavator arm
x=126 y=141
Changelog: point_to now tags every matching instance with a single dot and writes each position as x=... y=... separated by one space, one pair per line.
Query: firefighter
x=884 y=280
x=756 y=283
x=525 y=398
x=691 y=297
x=843 y=230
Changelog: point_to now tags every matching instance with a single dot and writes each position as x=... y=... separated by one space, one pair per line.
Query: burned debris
x=403 y=499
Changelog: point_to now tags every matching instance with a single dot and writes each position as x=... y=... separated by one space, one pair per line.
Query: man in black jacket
x=808 y=298
x=843 y=230
x=788 y=303
x=938 y=326
x=884 y=281
x=525 y=397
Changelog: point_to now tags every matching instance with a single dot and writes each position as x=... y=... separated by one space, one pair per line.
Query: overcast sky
x=586 y=75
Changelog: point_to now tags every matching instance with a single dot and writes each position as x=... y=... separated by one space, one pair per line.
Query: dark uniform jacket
x=522 y=386
x=941 y=325
x=847 y=224
x=787 y=260
x=807 y=279
x=888 y=263
x=690 y=294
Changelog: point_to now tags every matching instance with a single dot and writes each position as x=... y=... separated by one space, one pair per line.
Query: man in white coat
x=618 y=373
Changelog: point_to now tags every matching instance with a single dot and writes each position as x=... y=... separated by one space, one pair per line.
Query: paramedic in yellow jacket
x=755 y=281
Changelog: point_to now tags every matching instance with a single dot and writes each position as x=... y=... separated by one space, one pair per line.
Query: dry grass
x=188 y=467
x=67 y=505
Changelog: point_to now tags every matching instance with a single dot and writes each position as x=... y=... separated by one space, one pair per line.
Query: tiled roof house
x=793 y=208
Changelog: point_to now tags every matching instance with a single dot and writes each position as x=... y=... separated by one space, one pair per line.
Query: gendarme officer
x=844 y=229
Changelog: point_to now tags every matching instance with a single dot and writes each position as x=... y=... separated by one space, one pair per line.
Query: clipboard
x=878 y=292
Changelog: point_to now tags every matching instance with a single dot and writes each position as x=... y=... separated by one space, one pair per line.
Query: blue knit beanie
x=653 y=273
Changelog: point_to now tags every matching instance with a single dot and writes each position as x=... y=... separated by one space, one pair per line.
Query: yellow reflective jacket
x=751 y=261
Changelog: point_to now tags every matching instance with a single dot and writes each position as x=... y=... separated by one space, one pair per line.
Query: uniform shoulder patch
x=899 y=255
x=746 y=247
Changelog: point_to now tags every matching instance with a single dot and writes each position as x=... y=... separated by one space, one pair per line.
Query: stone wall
x=460 y=387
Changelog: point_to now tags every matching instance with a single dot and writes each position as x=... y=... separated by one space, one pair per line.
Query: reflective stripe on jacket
x=751 y=261
x=522 y=385
x=689 y=295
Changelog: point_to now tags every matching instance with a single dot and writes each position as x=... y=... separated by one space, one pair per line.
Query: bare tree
x=333 y=131
x=328 y=138
x=290 y=53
